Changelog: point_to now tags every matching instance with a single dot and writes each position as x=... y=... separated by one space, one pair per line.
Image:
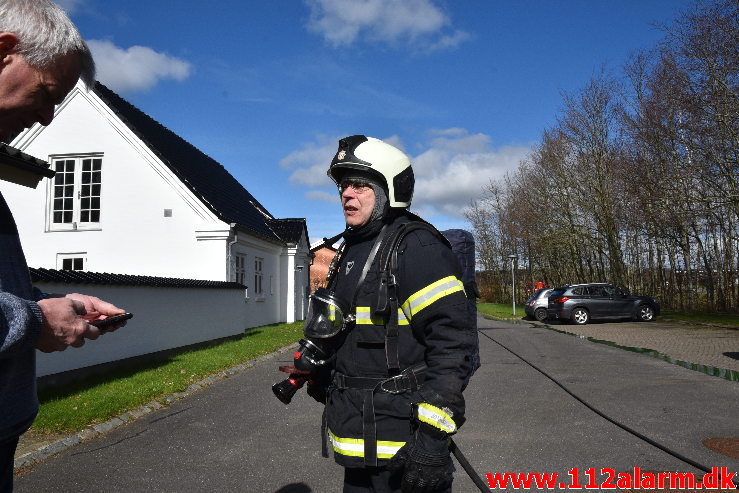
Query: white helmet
x=380 y=159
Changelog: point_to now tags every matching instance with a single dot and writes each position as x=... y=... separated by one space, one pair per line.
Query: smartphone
x=101 y=324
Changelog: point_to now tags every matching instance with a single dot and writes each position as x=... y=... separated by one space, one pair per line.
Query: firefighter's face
x=358 y=200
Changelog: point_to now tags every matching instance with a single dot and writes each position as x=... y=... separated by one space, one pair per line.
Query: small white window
x=71 y=261
x=240 y=268
x=258 y=275
x=75 y=193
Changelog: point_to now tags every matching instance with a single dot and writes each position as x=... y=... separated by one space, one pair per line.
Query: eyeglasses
x=356 y=185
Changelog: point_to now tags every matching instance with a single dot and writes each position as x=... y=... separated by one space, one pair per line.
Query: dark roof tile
x=290 y=229
x=205 y=177
x=84 y=277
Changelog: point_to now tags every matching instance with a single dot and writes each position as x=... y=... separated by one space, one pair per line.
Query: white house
x=131 y=197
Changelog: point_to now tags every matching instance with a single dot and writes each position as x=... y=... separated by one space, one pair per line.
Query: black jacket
x=435 y=328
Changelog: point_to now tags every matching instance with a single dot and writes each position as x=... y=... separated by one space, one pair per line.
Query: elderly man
x=42 y=55
x=394 y=395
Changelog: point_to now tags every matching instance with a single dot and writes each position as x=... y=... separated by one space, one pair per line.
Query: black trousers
x=373 y=480
x=7 y=454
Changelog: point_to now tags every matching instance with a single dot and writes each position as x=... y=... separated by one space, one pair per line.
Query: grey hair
x=45 y=34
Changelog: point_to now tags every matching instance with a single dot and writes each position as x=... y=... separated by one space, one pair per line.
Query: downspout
x=229 y=266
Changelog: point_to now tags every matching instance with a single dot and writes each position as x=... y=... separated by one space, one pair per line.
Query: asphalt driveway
x=236 y=436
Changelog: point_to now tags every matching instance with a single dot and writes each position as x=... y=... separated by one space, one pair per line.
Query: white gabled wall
x=135 y=237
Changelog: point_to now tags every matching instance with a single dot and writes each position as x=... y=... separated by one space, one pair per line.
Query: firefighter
x=394 y=395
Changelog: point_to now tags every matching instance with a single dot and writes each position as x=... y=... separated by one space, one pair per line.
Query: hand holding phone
x=107 y=322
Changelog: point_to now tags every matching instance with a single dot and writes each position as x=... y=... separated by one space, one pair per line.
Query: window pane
x=84 y=216
x=95 y=216
x=57 y=217
x=68 y=217
x=67 y=264
x=77 y=264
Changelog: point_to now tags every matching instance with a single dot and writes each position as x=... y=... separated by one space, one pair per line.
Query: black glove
x=424 y=462
x=317 y=391
x=318 y=384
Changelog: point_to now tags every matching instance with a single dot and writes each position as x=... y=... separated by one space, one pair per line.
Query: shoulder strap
x=387 y=303
x=370 y=260
x=389 y=262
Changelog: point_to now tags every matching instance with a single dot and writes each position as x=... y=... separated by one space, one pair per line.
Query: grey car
x=580 y=303
x=536 y=306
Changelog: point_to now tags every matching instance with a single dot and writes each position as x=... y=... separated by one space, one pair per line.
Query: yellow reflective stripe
x=354 y=447
x=428 y=295
x=332 y=313
x=436 y=417
x=364 y=317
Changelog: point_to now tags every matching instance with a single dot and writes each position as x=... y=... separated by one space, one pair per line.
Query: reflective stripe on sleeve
x=431 y=293
x=354 y=447
x=436 y=417
x=364 y=317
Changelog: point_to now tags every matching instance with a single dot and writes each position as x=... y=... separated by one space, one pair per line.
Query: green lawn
x=503 y=311
x=101 y=397
x=500 y=311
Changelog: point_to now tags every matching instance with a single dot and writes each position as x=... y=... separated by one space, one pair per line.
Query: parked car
x=581 y=303
x=536 y=306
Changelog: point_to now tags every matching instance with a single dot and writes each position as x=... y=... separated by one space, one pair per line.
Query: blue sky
x=266 y=87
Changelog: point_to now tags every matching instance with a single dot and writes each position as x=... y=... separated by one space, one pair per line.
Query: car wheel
x=580 y=316
x=540 y=314
x=645 y=313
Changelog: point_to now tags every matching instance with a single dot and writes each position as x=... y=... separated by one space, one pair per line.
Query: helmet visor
x=326 y=315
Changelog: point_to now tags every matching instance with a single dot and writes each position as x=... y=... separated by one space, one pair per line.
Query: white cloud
x=451 y=170
x=137 y=68
x=311 y=162
x=447 y=180
x=342 y=22
x=321 y=196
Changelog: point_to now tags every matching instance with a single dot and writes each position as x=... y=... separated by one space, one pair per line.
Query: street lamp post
x=513 y=281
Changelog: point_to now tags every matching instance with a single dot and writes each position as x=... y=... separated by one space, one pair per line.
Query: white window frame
x=76 y=200
x=240 y=268
x=61 y=257
x=258 y=277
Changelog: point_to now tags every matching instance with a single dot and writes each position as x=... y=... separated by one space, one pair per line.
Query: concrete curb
x=31 y=458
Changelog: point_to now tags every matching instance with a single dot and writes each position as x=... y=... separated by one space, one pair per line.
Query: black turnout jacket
x=369 y=414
